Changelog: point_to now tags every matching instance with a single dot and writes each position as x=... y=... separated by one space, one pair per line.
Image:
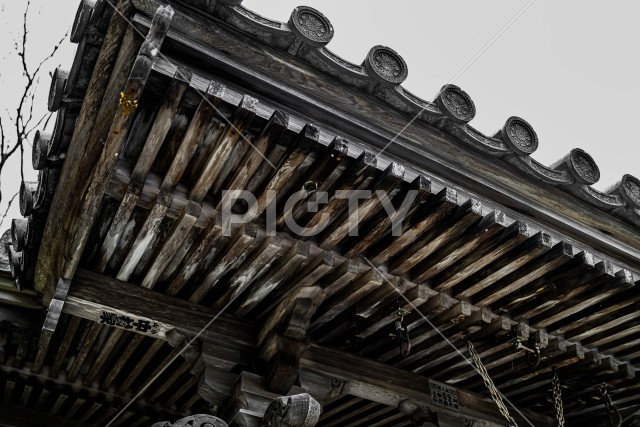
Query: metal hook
x=402 y=333
x=611 y=408
x=532 y=353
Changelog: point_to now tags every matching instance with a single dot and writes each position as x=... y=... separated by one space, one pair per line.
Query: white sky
x=570 y=68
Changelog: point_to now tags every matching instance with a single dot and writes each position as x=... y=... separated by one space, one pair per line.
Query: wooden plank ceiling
x=475 y=270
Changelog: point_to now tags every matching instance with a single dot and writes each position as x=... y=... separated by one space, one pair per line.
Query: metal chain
x=488 y=382
x=403 y=334
x=557 y=399
x=611 y=408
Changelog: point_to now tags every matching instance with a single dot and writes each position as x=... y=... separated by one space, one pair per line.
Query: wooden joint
x=284 y=337
x=282 y=355
x=55 y=306
x=193 y=352
x=135 y=188
x=299 y=410
x=293 y=314
x=200 y=420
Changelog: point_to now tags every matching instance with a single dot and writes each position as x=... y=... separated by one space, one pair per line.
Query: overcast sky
x=570 y=68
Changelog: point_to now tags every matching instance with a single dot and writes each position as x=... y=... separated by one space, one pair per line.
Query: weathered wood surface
x=281 y=270
x=18 y=415
x=420 y=144
x=463 y=262
x=426 y=341
x=48 y=395
x=98 y=107
x=51 y=322
x=116 y=137
x=235 y=252
x=464 y=259
x=170 y=245
x=91 y=294
x=223 y=147
x=283 y=337
x=384 y=384
x=143 y=165
x=250 y=400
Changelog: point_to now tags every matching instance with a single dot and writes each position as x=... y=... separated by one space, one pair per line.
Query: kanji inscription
x=444 y=396
x=126 y=322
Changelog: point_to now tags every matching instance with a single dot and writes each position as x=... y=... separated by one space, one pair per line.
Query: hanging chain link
x=557 y=399
x=403 y=333
x=611 y=408
x=488 y=382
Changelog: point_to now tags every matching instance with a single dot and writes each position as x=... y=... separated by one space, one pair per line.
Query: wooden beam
x=250 y=270
x=129 y=96
x=268 y=71
x=11 y=415
x=54 y=311
x=325 y=172
x=100 y=104
x=506 y=264
x=560 y=254
x=223 y=147
x=104 y=300
x=300 y=157
x=375 y=231
x=388 y=385
x=250 y=400
x=278 y=272
x=437 y=208
x=45 y=381
x=172 y=243
x=154 y=140
x=233 y=255
x=388 y=183
x=122 y=360
x=429 y=242
x=283 y=337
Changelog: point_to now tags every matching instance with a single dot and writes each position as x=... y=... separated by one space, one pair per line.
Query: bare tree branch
x=45 y=117
x=1 y=138
x=6 y=211
x=23 y=123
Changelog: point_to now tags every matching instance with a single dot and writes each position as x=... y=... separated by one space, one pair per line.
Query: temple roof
x=123 y=235
x=382 y=72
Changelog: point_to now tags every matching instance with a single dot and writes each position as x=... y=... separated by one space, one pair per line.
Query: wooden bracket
x=299 y=410
x=200 y=420
x=283 y=339
x=51 y=322
x=282 y=355
x=250 y=400
x=322 y=388
x=115 y=139
x=420 y=416
x=192 y=354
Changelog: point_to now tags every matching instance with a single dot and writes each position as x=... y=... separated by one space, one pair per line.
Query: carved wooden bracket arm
x=283 y=339
x=200 y=420
x=253 y=406
x=299 y=410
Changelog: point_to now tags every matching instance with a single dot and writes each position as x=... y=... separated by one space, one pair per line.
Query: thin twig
x=6 y=211
x=23 y=121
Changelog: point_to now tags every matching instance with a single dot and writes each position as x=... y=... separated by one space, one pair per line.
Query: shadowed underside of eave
x=477 y=267
x=474 y=271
